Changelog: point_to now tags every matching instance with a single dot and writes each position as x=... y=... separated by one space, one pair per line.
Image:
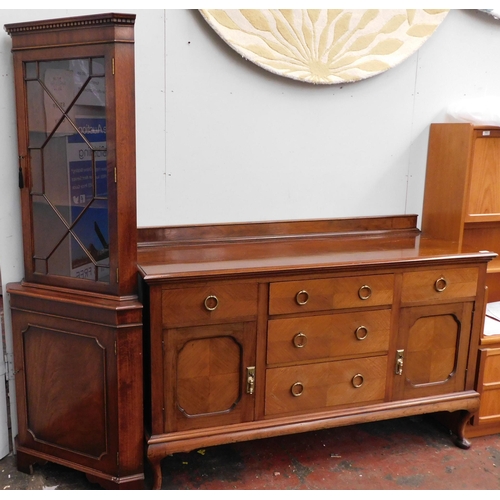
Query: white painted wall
x=221 y=140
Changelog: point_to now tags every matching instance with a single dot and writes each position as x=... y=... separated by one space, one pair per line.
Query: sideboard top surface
x=291 y=247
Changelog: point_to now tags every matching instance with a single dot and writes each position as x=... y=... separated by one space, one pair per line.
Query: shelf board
x=475 y=218
x=494 y=266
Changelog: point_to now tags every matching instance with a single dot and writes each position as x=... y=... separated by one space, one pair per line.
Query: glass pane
x=59 y=261
x=63 y=79
x=36 y=115
x=48 y=229
x=31 y=70
x=92 y=246
x=98 y=66
x=40 y=266
x=67 y=122
x=56 y=178
x=93 y=92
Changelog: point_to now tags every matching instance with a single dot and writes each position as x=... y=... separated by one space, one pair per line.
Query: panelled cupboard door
x=209 y=375
x=432 y=348
x=65 y=389
x=484 y=191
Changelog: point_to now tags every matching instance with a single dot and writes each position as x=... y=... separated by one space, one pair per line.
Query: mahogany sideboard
x=262 y=329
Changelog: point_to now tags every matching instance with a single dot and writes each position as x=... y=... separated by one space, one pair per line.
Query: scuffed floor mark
x=411 y=482
x=301 y=471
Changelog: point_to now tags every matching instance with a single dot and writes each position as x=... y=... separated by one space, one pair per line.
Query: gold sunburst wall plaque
x=325 y=46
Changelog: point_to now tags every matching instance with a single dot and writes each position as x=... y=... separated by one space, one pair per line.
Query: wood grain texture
x=484 y=186
x=79 y=381
x=435 y=341
x=328 y=336
x=191 y=306
x=489 y=387
x=335 y=293
x=425 y=285
x=324 y=385
x=447 y=175
x=381 y=283
x=205 y=376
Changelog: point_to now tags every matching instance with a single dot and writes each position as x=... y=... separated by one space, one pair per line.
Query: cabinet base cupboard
x=257 y=330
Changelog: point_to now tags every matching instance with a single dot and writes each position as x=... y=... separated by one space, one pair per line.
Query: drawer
x=329 y=336
x=322 y=386
x=335 y=293
x=489 y=386
x=211 y=303
x=439 y=284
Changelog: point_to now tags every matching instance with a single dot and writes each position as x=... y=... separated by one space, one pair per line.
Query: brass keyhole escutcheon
x=302 y=297
x=440 y=284
x=365 y=292
x=361 y=332
x=297 y=389
x=400 y=353
x=211 y=303
x=358 y=380
x=250 y=379
x=300 y=340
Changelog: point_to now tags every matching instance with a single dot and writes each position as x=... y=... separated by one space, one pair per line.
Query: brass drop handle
x=250 y=379
x=300 y=340
x=302 y=297
x=297 y=389
x=357 y=380
x=365 y=292
x=211 y=303
x=440 y=284
x=361 y=332
x=399 y=361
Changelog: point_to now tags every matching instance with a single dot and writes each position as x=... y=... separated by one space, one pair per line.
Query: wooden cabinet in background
x=462 y=206
x=462 y=191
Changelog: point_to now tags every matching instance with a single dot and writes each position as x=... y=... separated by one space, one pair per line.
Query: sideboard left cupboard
x=133 y=343
x=77 y=321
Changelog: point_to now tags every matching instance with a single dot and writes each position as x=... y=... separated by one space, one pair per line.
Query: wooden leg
x=155 y=462
x=25 y=462
x=461 y=441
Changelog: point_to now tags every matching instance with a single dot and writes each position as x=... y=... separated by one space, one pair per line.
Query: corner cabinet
x=462 y=205
x=257 y=330
x=77 y=321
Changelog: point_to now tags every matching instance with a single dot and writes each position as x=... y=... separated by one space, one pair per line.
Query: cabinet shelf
x=477 y=218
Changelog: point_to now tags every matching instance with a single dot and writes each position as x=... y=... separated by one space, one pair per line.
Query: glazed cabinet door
x=432 y=350
x=209 y=376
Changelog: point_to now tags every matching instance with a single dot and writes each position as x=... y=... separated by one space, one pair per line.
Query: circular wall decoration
x=325 y=46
